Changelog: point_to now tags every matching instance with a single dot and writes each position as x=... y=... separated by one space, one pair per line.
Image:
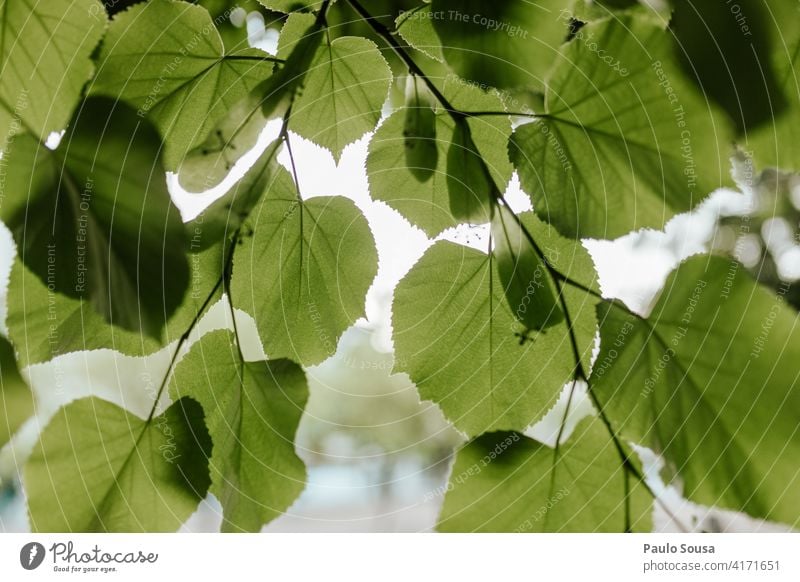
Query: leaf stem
x=390 y=38
x=381 y=30
x=557 y=448
x=284 y=136
x=185 y=335
x=580 y=373
x=227 y=276
x=628 y=464
x=322 y=14
x=181 y=341
x=265 y=58
x=501 y=113
x=555 y=273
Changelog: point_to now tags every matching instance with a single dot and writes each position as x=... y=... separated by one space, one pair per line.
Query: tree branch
x=580 y=374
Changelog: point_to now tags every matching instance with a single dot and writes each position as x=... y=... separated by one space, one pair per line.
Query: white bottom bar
x=404 y=557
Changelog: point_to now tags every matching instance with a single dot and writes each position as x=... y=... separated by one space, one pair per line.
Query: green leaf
x=304 y=272
x=470 y=185
x=343 y=94
x=295 y=33
x=506 y=482
x=16 y=399
x=43 y=325
x=625 y=141
x=44 y=62
x=99 y=468
x=523 y=272
x=427 y=204
x=726 y=49
x=502 y=44
x=252 y=411
x=710 y=381
x=460 y=342
x=590 y=10
x=220 y=220
x=94 y=219
x=419 y=130
x=287 y=6
x=238 y=132
x=416 y=28
x=778 y=145
x=167 y=59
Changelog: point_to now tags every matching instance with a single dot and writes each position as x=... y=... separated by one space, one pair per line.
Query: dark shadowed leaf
x=94 y=220
x=726 y=48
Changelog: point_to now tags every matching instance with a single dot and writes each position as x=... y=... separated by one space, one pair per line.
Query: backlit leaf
x=44 y=62
x=343 y=93
x=252 y=411
x=710 y=380
x=167 y=59
x=98 y=468
x=427 y=204
x=506 y=482
x=304 y=272
x=461 y=342
x=625 y=141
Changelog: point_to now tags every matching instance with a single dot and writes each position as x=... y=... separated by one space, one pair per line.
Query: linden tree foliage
x=417 y=185
x=519 y=487
x=119 y=472
x=184 y=81
x=44 y=62
x=304 y=272
x=471 y=351
x=85 y=213
x=704 y=399
x=606 y=116
x=238 y=131
x=255 y=472
x=624 y=139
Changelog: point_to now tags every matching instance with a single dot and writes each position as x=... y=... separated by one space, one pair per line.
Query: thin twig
x=580 y=374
